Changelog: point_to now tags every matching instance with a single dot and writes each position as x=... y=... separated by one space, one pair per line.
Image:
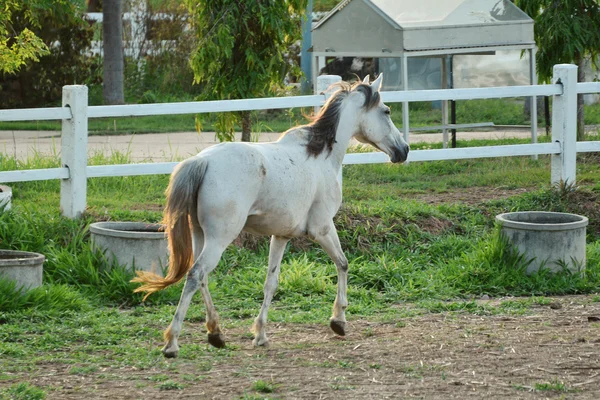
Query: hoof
x=264 y=342
x=216 y=340
x=338 y=327
x=170 y=352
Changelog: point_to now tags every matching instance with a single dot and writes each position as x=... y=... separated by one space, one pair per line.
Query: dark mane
x=323 y=127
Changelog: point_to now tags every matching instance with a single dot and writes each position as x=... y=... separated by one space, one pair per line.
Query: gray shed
x=423 y=28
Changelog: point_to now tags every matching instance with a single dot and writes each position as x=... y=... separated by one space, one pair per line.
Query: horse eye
x=387 y=111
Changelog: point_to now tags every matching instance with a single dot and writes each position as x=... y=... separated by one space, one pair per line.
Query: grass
x=23 y=391
x=554 y=386
x=262 y=386
x=399 y=250
x=441 y=256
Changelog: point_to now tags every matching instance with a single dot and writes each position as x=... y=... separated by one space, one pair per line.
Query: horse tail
x=182 y=195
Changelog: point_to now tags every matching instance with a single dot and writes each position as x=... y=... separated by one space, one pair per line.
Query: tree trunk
x=112 y=27
x=580 y=111
x=246 y=127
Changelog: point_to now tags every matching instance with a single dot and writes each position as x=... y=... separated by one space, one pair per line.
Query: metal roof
x=398 y=26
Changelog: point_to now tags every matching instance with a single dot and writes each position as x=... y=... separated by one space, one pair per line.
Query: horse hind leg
x=207 y=261
x=275 y=255
x=171 y=334
x=215 y=337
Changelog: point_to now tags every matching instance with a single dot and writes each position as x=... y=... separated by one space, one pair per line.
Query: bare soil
x=551 y=352
x=472 y=195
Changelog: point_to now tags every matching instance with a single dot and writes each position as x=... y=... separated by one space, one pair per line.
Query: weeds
x=262 y=386
x=23 y=391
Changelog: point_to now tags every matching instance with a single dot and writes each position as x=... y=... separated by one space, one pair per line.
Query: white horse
x=284 y=189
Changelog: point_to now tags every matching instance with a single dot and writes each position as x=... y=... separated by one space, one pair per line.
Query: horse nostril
x=400 y=154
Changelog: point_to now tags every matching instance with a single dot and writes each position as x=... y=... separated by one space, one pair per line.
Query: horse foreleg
x=330 y=242
x=275 y=255
x=196 y=278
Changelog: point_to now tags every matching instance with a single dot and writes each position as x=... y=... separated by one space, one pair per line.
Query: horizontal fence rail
x=36 y=114
x=588 y=87
x=512 y=150
x=75 y=114
x=30 y=175
x=199 y=107
x=98 y=171
x=588 y=147
x=471 y=93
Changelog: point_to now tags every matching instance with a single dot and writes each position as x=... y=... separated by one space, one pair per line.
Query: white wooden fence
x=75 y=113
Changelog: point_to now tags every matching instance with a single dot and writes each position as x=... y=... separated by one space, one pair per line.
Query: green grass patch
x=442 y=255
x=399 y=247
x=23 y=391
x=553 y=386
x=262 y=386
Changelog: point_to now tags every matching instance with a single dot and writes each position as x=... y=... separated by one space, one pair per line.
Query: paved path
x=156 y=147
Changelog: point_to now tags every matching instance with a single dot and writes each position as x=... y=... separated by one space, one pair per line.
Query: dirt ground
x=550 y=352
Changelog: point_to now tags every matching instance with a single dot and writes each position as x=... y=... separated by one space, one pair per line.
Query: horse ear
x=366 y=80
x=376 y=85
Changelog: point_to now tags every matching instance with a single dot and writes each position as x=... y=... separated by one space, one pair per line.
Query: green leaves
x=42 y=48
x=17 y=48
x=241 y=48
x=565 y=31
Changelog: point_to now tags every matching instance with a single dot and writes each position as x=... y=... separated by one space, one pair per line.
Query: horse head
x=375 y=124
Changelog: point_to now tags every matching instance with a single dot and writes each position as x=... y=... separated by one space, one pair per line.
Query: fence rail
x=75 y=113
x=36 y=114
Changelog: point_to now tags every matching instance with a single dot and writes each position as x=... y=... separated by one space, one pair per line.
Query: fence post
x=564 y=125
x=74 y=142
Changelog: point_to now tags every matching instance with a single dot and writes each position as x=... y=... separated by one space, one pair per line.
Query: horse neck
x=347 y=127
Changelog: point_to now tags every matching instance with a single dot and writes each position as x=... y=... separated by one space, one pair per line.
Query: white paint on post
x=315 y=71
x=564 y=125
x=533 y=109
x=320 y=64
x=445 y=103
x=74 y=151
x=405 y=127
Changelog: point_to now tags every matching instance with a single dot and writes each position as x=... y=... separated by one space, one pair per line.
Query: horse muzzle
x=400 y=154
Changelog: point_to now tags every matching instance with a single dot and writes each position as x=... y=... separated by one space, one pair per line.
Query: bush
x=68 y=36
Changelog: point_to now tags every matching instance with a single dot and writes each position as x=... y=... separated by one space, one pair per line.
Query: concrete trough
x=133 y=245
x=552 y=240
x=23 y=267
x=5 y=197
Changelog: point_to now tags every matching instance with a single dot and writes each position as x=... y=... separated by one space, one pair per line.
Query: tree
x=61 y=35
x=18 y=46
x=241 y=51
x=112 y=39
x=566 y=31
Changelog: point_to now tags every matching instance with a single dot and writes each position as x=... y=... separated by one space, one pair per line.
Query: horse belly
x=278 y=224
